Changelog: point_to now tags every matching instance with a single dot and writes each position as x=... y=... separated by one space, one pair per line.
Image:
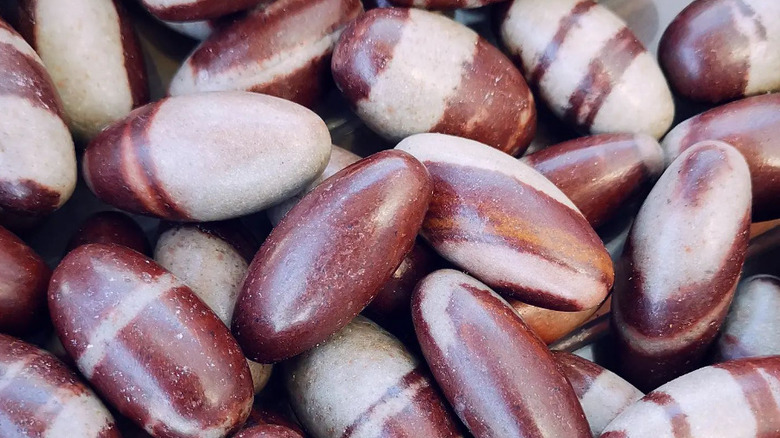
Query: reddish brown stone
x=41 y=397
x=192 y=10
x=296 y=294
x=268 y=431
x=550 y=325
x=475 y=345
x=147 y=344
x=24 y=278
x=601 y=172
x=751 y=126
x=111 y=227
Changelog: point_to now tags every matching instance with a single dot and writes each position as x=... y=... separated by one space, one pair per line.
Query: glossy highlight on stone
x=299 y=290
x=24 y=277
x=212 y=259
x=736 y=399
x=589 y=67
x=509 y=226
x=111 y=227
x=751 y=126
x=207 y=157
x=498 y=376
x=41 y=397
x=716 y=50
x=408 y=71
x=752 y=327
x=282 y=50
x=93 y=56
x=601 y=172
x=37 y=158
x=681 y=264
x=363 y=382
x=148 y=345
x=602 y=394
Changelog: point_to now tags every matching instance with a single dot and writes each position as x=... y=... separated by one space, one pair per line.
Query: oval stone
x=509 y=226
x=330 y=255
x=111 y=227
x=207 y=157
x=752 y=327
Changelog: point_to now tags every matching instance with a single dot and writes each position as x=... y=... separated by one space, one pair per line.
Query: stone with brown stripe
x=111 y=227
x=37 y=159
x=408 y=71
x=148 y=344
x=497 y=375
x=602 y=172
x=24 y=278
x=509 y=226
x=681 y=264
x=283 y=50
x=330 y=255
x=40 y=397
x=717 y=50
x=339 y=159
x=194 y=10
x=751 y=126
x=752 y=327
x=207 y=157
x=93 y=56
x=602 y=394
x=550 y=325
x=363 y=382
x=212 y=259
x=737 y=399
x=589 y=68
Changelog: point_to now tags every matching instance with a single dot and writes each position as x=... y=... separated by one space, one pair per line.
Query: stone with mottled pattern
x=207 y=157
x=282 y=50
x=600 y=173
x=363 y=382
x=497 y=375
x=751 y=126
x=330 y=255
x=717 y=50
x=681 y=264
x=737 y=399
x=110 y=227
x=589 y=67
x=148 y=345
x=408 y=71
x=24 y=278
x=37 y=158
x=752 y=327
x=602 y=394
x=40 y=397
x=94 y=57
x=212 y=259
x=509 y=226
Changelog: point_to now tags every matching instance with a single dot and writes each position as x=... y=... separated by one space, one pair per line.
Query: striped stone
x=500 y=379
x=408 y=71
x=207 y=157
x=589 y=68
x=93 y=56
x=41 y=397
x=148 y=345
x=363 y=382
x=509 y=226
x=602 y=394
x=194 y=10
x=737 y=399
x=330 y=256
x=37 y=160
x=339 y=159
x=212 y=259
x=751 y=126
x=24 y=278
x=752 y=327
x=442 y=4
x=717 y=50
x=601 y=173
x=281 y=50
x=681 y=264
